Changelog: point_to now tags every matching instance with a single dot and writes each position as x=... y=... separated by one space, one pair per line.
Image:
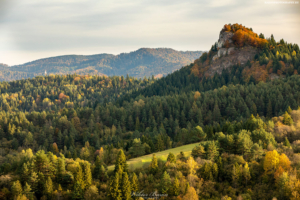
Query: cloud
x=52 y=27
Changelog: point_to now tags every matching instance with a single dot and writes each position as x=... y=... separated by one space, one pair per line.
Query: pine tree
x=171 y=158
x=220 y=167
x=125 y=187
x=137 y=124
x=79 y=177
x=48 y=187
x=134 y=183
x=212 y=151
x=77 y=192
x=191 y=194
x=215 y=171
x=27 y=191
x=235 y=174
x=165 y=183
x=216 y=113
x=187 y=186
x=289 y=110
x=175 y=187
x=87 y=175
x=153 y=166
x=246 y=173
x=97 y=167
x=159 y=143
x=287 y=142
x=16 y=189
x=198 y=151
x=287 y=120
x=60 y=169
x=269 y=110
x=121 y=162
x=114 y=193
x=25 y=173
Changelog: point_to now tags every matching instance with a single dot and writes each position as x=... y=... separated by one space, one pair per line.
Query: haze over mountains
x=140 y=63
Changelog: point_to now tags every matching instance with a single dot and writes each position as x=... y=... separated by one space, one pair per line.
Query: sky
x=34 y=29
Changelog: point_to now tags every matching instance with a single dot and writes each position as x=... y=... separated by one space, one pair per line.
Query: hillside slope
x=140 y=63
x=261 y=58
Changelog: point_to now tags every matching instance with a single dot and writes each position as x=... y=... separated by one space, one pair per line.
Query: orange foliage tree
x=243 y=36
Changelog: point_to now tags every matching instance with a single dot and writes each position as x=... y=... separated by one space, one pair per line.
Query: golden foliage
x=196 y=95
x=271 y=161
x=77 y=78
x=191 y=194
x=284 y=162
x=244 y=36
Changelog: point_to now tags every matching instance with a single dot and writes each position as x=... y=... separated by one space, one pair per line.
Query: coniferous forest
x=69 y=136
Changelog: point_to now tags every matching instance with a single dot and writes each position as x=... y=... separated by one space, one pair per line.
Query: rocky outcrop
x=226 y=57
x=223 y=37
x=222 y=51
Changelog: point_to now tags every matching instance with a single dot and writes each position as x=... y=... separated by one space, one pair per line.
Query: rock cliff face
x=223 y=37
x=229 y=56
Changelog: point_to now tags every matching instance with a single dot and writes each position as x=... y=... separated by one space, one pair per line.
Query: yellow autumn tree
x=191 y=194
x=284 y=162
x=191 y=165
x=271 y=162
x=196 y=95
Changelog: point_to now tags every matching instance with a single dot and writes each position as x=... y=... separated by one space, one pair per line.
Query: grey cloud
x=58 y=26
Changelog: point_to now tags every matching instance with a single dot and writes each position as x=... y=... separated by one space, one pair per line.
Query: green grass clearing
x=163 y=155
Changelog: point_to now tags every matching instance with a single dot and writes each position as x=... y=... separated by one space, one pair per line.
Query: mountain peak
x=237 y=44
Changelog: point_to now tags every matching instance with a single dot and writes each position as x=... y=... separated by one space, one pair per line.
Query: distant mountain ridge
x=140 y=63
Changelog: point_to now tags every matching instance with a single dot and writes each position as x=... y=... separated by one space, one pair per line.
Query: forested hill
x=262 y=58
x=140 y=63
x=59 y=133
x=240 y=56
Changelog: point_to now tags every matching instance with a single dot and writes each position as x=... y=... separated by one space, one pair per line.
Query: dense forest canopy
x=69 y=136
